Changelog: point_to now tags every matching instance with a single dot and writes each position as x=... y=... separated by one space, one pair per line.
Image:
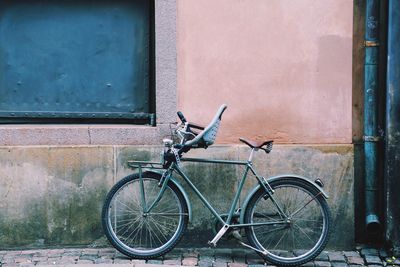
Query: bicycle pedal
x=253 y=248
x=236 y=235
x=211 y=245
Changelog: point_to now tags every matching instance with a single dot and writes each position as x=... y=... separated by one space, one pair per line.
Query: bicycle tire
x=309 y=229
x=144 y=236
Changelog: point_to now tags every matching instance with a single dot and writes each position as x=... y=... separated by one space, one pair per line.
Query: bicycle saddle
x=258 y=144
x=207 y=137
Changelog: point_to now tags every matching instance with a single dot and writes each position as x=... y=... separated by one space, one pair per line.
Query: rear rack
x=134 y=164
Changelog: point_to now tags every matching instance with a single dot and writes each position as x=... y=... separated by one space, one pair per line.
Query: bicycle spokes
x=136 y=231
x=295 y=238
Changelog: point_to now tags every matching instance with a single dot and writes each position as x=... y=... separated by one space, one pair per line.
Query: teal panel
x=74 y=59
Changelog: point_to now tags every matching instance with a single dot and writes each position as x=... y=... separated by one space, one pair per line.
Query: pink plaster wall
x=283 y=67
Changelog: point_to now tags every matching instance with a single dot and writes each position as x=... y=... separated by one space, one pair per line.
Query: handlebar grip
x=180 y=115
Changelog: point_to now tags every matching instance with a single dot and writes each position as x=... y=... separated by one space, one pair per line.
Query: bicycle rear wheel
x=294 y=240
x=138 y=234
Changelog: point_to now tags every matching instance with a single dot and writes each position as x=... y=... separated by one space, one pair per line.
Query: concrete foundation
x=52 y=196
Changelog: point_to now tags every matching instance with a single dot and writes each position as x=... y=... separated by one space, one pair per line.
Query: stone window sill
x=31 y=135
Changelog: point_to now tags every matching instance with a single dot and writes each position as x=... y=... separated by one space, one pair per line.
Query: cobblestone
x=202 y=257
x=139 y=261
x=103 y=261
x=351 y=253
x=236 y=264
x=369 y=251
x=323 y=256
x=255 y=261
x=172 y=262
x=190 y=254
x=322 y=264
x=358 y=260
x=154 y=261
x=339 y=264
x=206 y=259
x=383 y=254
x=205 y=264
x=190 y=261
x=220 y=264
x=84 y=262
x=122 y=261
x=336 y=257
x=308 y=264
x=373 y=260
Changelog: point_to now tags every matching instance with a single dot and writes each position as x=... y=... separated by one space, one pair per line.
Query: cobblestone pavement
x=203 y=257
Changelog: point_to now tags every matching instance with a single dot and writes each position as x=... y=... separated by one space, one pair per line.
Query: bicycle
x=285 y=219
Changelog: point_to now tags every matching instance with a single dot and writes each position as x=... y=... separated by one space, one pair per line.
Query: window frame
x=164 y=101
x=31 y=115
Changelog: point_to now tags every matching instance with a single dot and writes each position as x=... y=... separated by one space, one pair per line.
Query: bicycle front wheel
x=301 y=235
x=139 y=234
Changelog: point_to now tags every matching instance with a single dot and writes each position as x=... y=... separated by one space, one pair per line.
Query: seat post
x=251 y=155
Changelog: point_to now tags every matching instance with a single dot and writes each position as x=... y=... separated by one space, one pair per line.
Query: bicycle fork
x=162 y=184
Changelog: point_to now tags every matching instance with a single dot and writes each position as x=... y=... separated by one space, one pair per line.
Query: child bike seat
x=207 y=137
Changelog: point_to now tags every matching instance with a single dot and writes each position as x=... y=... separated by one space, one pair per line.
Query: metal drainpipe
x=371 y=137
x=392 y=145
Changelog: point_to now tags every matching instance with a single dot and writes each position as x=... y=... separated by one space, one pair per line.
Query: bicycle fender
x=274 y=178
x=185 y=196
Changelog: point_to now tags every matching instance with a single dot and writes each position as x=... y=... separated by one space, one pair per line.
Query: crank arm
x=219 y=235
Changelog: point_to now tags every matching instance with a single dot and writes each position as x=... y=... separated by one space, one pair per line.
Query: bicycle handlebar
x=180 y=115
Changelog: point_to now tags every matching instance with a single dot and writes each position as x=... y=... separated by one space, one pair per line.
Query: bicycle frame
x=146 y=213
x=176 y=168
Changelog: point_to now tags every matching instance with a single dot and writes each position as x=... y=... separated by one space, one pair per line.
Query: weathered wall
x=284 y=73
x=283 y=67
x=52 y=196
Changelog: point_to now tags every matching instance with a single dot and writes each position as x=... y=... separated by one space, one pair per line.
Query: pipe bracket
x=371 y=43
x=369 y=138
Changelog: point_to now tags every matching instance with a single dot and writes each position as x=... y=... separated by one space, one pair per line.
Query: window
x=76 y=61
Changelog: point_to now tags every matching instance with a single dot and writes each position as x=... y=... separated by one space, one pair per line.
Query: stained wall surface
x=53 y=196
x=283 y=67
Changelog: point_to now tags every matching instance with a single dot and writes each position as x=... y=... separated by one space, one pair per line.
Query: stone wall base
x=52 y=196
